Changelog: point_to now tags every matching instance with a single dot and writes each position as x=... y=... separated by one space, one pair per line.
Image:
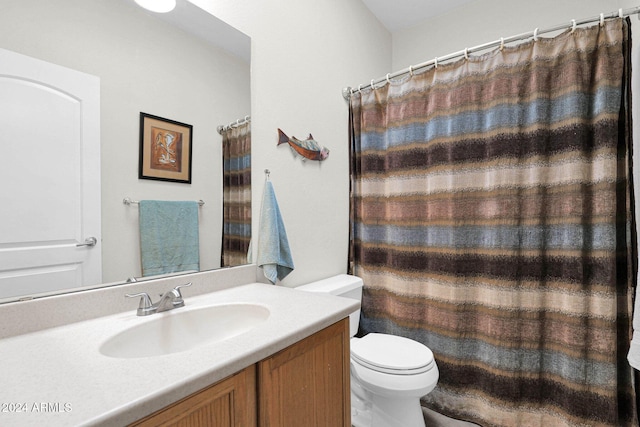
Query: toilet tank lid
x=334 y=285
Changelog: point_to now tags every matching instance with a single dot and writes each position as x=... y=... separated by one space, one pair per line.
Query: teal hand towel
x=274 y=254
x=169 y=237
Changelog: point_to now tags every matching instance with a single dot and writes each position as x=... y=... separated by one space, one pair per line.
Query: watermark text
x=35 y=407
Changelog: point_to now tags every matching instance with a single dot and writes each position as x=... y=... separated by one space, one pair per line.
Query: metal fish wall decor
x=308 y=148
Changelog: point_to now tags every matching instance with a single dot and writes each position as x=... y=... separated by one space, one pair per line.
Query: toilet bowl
x=389 y=374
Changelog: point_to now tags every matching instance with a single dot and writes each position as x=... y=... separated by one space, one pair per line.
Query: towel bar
x=127 y=201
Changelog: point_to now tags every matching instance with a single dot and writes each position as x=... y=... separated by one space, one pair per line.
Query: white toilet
x=389 y=374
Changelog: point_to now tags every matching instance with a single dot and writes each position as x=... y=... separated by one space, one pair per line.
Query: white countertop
x=58 y=377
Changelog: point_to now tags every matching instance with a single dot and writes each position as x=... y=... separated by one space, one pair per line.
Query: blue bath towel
x=169 y=237
x=274 y=255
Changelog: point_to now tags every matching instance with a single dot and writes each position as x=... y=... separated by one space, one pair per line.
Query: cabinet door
x=230 y=402
x=307 y=384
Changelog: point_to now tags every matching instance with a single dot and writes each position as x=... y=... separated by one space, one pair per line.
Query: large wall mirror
x=185 y=66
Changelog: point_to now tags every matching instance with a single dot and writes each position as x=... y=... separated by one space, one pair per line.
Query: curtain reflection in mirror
x=236 y=235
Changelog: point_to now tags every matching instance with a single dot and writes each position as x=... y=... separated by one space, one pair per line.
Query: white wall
x=144 y=65
x=303 y=54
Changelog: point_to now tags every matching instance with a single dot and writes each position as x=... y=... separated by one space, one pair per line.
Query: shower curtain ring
x=535 y=34
x=388 y=80
x=620 y=14
x=466 y=53
x=435 y=62
x=501 y=43
x=411 y=70
x=602 y=19
x=573 y=25
x=372 y=84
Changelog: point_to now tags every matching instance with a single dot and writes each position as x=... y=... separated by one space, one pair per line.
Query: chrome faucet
x=168 y=301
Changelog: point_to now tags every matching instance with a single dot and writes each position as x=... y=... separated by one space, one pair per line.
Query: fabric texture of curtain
x=492 y=221
x=236 y=234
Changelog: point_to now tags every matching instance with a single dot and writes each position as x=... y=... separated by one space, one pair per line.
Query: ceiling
x=399 y=14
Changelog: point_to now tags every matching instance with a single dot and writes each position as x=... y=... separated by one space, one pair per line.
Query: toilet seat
x=391 y=354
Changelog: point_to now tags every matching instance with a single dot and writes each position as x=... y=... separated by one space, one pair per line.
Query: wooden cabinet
x=306 y=384
x=230 y=402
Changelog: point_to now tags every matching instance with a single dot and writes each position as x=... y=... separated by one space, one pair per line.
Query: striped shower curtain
x=491 y=221
x=236 y=233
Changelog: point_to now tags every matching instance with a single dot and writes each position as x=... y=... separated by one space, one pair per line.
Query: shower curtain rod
x=348 y=91
x=223 y=128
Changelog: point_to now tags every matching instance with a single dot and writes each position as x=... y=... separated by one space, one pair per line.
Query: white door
x=49 y=177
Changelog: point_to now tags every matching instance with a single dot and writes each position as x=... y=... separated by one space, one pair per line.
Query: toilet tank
x=342 y=285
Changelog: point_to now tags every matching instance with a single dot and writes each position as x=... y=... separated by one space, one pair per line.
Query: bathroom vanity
x=305 y=384
x=288 y=368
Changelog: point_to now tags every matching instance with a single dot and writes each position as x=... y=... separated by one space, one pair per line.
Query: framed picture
x=165 y=149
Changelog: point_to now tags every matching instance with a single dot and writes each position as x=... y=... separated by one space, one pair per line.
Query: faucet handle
x=177 y=288
x=179 y=301
x=146 y=306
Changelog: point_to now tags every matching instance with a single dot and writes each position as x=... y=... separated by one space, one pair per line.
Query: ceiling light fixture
x=159 y=6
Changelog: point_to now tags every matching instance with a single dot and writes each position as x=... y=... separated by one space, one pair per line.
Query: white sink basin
x=183 y=329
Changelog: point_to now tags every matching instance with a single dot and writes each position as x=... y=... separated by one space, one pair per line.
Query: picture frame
x=165 y=149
